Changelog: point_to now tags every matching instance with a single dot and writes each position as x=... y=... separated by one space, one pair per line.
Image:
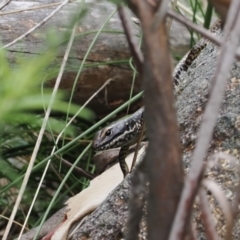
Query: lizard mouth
x=96 y=147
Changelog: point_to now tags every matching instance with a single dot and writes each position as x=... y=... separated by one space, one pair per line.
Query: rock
x=110 y=46
x=192 y=95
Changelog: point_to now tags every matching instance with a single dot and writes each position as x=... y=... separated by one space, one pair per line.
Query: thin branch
x=138 y=146
x=236 y=200
x=169 y=22
x=223 y=202
x=77 y=169
x=163 y=155
x=193 y=231
x=224 y=65
x=17 y=223
x=188 y=11
x=199 y=29
x=213 y=160
x=4 y=3
x=29 y=9
x=160 y=13
x=38 y=25
x=137 y=200
x=71 y=120
x=210 y=230
x=37 y=146
x=137 y=55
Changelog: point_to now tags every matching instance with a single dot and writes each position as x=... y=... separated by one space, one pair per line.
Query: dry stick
x=38 y=142
x=169 y=22
x=76 y=168
x=137 y=200
x=82 y=107
x=135 y=209
x=29 y=9
x=193 y=179
x=234 y=162
x=188 y=11
x=188 y=23
x=163 y=155
x=38 y=25
x=161 y=12
x=206 y=216
x=218 y=193
x=205 y=33
x=60 y=178
x=137 y=55
x=71 y=120
x=193 y=232
x=137 y=147
x=236 y=200
x=4 y=3
x=17 y=223
x=192 y=235
x=59 y=136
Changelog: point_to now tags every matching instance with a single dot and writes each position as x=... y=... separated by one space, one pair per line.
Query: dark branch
x=163 y=156
x=206 y=217
x=199 y=29
x=137 y=55
x=76 y=169
x=224 y=64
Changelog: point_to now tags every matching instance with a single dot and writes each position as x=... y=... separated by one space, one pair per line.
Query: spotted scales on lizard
x=126 y=132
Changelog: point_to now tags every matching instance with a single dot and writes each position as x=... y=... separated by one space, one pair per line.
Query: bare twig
x=137 y=55
x=213 y=160
x=17 y=223
x=210 y=115
x=137 y=200
x=169 y=22
x=77 y=169
x=221 y=7
x=210 y=230
x=38 y=25
x=48 y=225
x=188 y=11
x=137 y=146
x=236 y=200
x=59 y=136
x=37 y=145
x=161 y=13
x=199 y=29
x=163 y=154
x=193 y=231
x=223 y=202
x=4 y=3
x=29 y=9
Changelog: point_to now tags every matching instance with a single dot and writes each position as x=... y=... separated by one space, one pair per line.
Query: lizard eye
x=108 y=132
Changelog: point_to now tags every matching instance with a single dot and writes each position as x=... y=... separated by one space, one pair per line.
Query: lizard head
x=120 y=133
x=108 y=137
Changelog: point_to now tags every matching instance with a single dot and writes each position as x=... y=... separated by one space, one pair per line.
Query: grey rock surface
x=110 y=46
x=192 y=95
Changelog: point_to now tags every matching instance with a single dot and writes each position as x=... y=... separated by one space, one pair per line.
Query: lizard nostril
x=94 y=145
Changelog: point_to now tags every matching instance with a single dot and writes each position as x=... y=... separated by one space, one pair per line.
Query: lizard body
x=122 y=133
x=126 y=132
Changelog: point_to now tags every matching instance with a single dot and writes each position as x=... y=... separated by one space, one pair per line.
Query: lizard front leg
x=121 y=158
